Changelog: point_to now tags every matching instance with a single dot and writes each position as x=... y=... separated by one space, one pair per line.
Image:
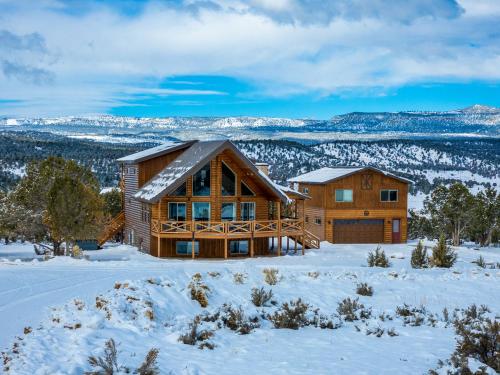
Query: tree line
x=459 y=214
x=58 y=201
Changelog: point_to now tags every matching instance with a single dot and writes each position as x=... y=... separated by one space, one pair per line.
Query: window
x=201 y=182
x=343 y=195
x=245 y=190
x=185 y=247
x=238 y=247
x=228 y=212
x=180 y=191
x=201 y=211
x=177 y=211
x=145 y=213
x=305 y=190
x=247 y=211
x=307 y=219
x=228 y=181
x=317 y=220
x=130 y=170
x=389 y=195
x=366 y=182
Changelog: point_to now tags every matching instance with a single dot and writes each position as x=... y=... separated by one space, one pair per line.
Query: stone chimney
x=263 y=167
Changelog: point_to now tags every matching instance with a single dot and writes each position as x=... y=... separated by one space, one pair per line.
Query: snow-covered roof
x=190 y=162
x=164 y=148
x=326 y=174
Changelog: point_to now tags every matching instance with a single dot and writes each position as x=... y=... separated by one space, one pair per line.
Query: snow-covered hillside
x=64 y=310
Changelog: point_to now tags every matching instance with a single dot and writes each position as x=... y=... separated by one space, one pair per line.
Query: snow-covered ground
x=56 y=299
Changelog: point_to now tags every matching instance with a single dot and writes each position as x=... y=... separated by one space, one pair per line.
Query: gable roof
x=190 y=162
x=326 y=174
x=154 y=152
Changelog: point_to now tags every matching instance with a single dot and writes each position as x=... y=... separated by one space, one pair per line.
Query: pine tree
x=450 y=210
x=112 y=202
x=419 y=257
x=442 y=255
x=485 y=216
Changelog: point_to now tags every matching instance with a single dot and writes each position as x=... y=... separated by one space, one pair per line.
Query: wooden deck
x=227 y=229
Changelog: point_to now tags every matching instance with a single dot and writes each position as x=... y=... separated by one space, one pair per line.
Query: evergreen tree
x=32 y=193
x=419 y=226
x=442 y=255
x=112 y=202
x=485 y=216
x=419 y=257
x=450 y=210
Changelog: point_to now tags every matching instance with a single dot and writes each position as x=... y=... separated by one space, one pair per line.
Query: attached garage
x=358 y=231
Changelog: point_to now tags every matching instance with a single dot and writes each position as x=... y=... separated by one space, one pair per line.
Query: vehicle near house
x=206 y=199
x=354 y=204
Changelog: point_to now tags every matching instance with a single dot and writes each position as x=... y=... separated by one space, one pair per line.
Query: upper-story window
x=228 y=181
x=130 y=170
x=228 y=211
x=305 y=190
x=180 y=191
x=201 y=182
x=247 y=211
x=343 y=195
x=177 y=211
x=145 y=213
x=388 y=195
x=245 y=190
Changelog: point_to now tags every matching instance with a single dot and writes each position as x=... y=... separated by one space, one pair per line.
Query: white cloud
x=99 y=58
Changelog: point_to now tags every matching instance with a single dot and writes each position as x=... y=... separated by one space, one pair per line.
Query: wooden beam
x=225 y=247
x=192 y=247
x=279 y=227
x=158 y=252
x=251 y=247
x=303 y=245
x=295 y=244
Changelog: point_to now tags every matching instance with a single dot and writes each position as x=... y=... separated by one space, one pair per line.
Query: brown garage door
x=358 y=231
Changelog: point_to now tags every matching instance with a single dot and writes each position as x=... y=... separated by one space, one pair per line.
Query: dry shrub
x=419 y=258
x=194 y=336
x=260 y=297
x=480 y=262
x=214 y=274
x=290 y=315
x=378 y=258
x=27 y=330
x=239 y=278
x=313 y=274
x=108 y=363
x=199 y=290
x=351 y=310
x=363 y=289
x=235 y=320
x=270 y=275
x=415 y=316
x=149 y=314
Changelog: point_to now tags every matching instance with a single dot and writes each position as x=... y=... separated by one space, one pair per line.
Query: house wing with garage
x=354 y=204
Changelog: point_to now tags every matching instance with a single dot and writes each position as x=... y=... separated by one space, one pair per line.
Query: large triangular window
x=228 y=181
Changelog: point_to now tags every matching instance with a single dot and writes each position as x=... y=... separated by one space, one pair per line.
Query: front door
x=396 y=231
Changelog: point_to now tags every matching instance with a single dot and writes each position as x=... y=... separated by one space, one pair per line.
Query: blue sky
x=281 y=58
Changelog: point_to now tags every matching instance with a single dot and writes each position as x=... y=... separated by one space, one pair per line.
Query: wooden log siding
x=133 y=211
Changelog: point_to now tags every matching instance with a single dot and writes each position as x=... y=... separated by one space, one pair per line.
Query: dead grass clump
x=199 y=290
x=239 y=278
x=149 y=314
x=108 y=363
x=27 y=330
x=351 y=310
x=363 y=289
x=313 y=274
x=414 y=316
x=260 y=297
x=195 y=336
x=270 y=275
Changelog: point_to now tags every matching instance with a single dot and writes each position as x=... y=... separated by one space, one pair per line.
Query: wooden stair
x=311 y=241
x=112 y=228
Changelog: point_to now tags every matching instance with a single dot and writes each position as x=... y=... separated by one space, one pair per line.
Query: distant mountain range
x=474 y=121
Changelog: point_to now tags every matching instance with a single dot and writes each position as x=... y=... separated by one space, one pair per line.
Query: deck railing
x=257 y=227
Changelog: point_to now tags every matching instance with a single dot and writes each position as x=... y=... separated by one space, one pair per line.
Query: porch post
x=158 y=252
x=225 y=247
x=279 y=227
x=251 y=247
x=303 y=245
x=295 y=244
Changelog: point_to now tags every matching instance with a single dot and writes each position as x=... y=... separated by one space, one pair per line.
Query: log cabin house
x=354 y=204
x=206 y=199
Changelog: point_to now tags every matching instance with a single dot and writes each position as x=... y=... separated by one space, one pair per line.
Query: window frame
x=177 y=210
x=248 y=187
x=222 y=181
x=344 y=201
x=241 y=211
x=317 y=220
x=209 y=181
x=239 y=252
x=189 y=248
x=209 y=210
x=234 y=211
x=145 y=213
x=305 y=190
x=175 y=192
x=389 y=195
